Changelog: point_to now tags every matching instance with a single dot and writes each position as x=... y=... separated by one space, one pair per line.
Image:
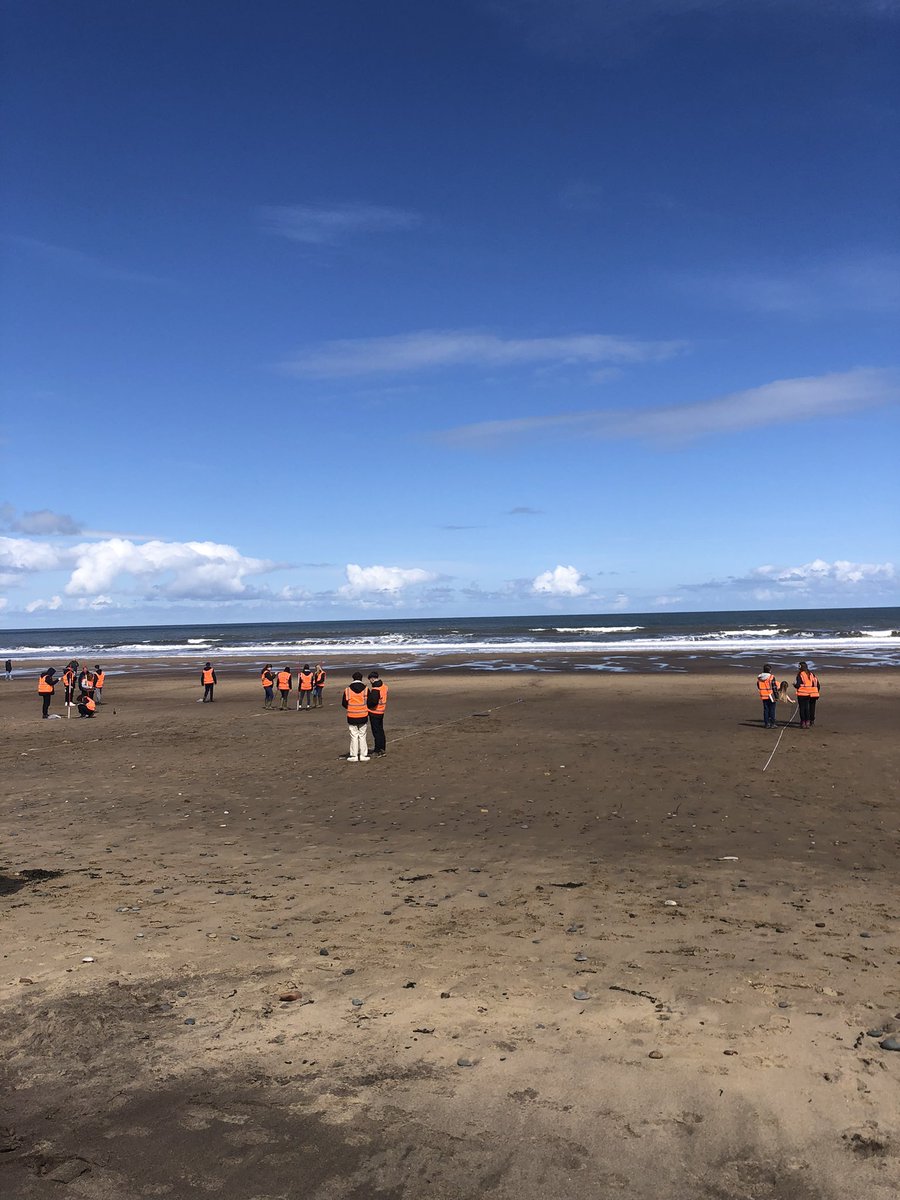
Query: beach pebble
x=783 y=1004
x=890 y=1043
x=579 y=957
x=655 y=1054
x=290 y=997
x=348 y=971
x=730 y=1053
x=181 y=993
x=323 y=951
x=88 y=958
x=481 y=895
x=580 y=996
x=671 y=903
x=445 y=995
x=464 y=1062
x=820 y=924
x=873 y=1033
x=865 y=935
x=190 y=1021
x=356 y=1003
x=158 y=891
x=69 y=1171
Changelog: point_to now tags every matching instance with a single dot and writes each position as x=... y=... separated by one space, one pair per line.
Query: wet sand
x=517 y=845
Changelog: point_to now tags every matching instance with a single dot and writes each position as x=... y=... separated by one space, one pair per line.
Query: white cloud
x=389 y=580
x=561 y=581
x=665 y=601
x=433 y=349
x=21 y=554
x=817 y=572
x=621 y=601
x=43 y=522
x=50 y=605
x=326 y=224
x=779 y=403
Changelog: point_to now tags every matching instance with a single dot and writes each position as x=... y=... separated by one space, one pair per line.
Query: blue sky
x=489 y=306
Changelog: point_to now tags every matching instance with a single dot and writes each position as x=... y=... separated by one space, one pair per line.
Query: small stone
x=783 y=1004
x=482 y=895
x=581 y=996
x=579 y=957
x=464 y=1062
x=655 y=1054
x=88 y=958
x=70 y=1170
x=190 y=1021
x=730 y=1053
x=158 y=891
x=445 y=995
x=671 y=903
x=865 y=935
x=181 y=993
x=290 y=997
x=349 y=971
x=409 y=984
x=873 y=1033
x=890 y=1043
x=324 y=952
x=356 y=1003
x=820 y=924
x=235 y=938
x=24 y=979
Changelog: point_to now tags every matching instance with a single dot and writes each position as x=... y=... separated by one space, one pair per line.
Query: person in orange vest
x=86 y=682
x=305 y=687
x=284 y=683
x=318 y=685
x=68 y=679
x=267 y=679
x=767 y=686
x=355 y=700
x=209 y=681
x=99 y=680
x=46 y=685
x=87 y=706
x=376 y=702
x=806 y=685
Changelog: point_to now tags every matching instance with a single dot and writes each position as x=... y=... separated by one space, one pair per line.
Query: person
x=767 y=685
x=209 y=681
x=46 y=686
x=86 y=682
x=806 y=685
x=285 y=683
x=68 y=678
x=267 y=679
x=87 y=706
x=99 y=680
x=305 y=687
x=9 y=668
x=318 y=685
x=376 y=703
x=354 y=700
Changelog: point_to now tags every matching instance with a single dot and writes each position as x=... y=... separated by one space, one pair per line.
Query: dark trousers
x=46 y=697
x=304 y=700
x=768 y=712
x=84 y=711
x=284 y=697
x=807 y=706
x=377 y=723
x=70 y=694
x=208 y=692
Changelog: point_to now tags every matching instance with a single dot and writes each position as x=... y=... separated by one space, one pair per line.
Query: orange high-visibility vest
x=208 y=676
x=306 y=681
x=320 y=679
x=99 y=679
x=266 y=679
x=284 y=681
x=765 y=687
x=89 y=704
x=382 y=700
x=357 y=709
x=809 y=685
x=69 y=678
x=44 y=686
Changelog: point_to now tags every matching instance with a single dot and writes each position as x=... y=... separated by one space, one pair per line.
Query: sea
x=836 y=638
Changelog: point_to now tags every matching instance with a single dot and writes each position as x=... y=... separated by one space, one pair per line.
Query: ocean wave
x=597 y=628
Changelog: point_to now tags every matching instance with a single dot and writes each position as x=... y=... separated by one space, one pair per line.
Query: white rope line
x=455 y=721
x=780 y=736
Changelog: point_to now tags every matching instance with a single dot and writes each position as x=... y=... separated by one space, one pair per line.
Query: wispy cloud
x=77 y=261
x=818 y=580
x=41 y=523
x=433 y=349
x=852 y=283
x=782 y=402
x=328 y=224
x=522 y=510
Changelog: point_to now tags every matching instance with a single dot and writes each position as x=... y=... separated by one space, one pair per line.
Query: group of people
x=310 y=685
x=89 y=683
x=806 y=687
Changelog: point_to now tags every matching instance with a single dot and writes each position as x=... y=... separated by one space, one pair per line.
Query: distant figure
x=305 y=687
x=87 y=706
x=9 y=668
x=318 y=685
x=806 y=685
x=68 y=678
x=209 y=681
x=767 y=685
x=267 y=679
x=46 y=687
x=86 y=682
x=285 y=683
x=376 y=703
x=354 y=700
x=99 y=680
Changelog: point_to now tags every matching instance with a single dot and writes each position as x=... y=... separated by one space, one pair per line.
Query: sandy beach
x=567 y=939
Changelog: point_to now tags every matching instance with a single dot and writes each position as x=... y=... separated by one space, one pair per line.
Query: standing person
x=68 y=678
x=87 y=706
x=267 y=679
x=376 y=703
x=99 y=680
x=355 y=701
x=46 y=687
x=9 y=668
x=86 y=682
x=209 y=681
x=285 y=683
x=318 y=685
x=767 y=685
x=305 y=687
x=806 y=685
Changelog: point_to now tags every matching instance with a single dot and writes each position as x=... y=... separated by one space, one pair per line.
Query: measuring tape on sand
x=778 y=743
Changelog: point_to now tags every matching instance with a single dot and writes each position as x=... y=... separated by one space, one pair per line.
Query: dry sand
x=518 y=844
